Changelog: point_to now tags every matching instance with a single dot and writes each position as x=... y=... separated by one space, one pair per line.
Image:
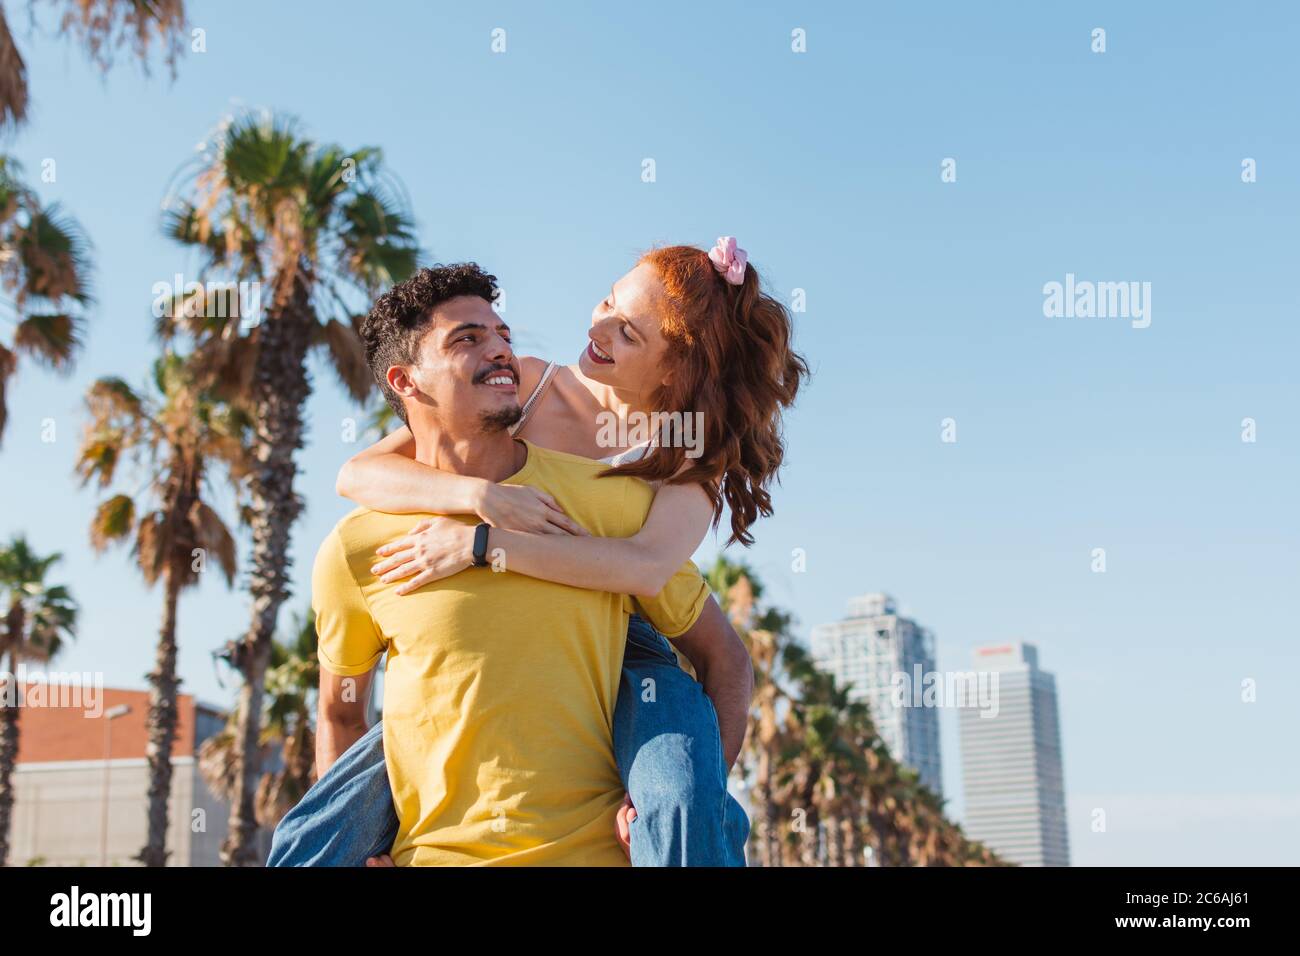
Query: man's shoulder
x=359 y=532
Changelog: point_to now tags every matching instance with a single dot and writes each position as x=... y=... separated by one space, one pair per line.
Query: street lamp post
x=109 y=716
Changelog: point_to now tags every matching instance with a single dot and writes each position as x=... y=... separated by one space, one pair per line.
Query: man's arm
x=340 y=715
x=349 y=648
x=722 y=664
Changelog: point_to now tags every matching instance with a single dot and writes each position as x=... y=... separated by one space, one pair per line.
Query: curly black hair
x=392 y=331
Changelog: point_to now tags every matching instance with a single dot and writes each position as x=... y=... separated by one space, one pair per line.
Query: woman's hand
x=523 y=508
x=439 y=547
x=435 y=548
x=623 y=825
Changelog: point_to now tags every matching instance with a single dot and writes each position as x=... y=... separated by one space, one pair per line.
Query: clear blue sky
x=924 y=302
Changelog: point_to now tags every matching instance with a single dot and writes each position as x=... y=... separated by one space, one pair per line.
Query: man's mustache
x=483 y=376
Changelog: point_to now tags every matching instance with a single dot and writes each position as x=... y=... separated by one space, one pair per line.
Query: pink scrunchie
x=729 y=260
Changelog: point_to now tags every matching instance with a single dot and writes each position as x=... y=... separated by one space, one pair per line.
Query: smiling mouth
x=597 y=354
x=501 y=381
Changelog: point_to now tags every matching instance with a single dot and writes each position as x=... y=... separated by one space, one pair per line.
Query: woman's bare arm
x=386 y=477
x=640 y=565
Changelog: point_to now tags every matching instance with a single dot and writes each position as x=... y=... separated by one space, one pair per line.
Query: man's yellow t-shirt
x=499 y=690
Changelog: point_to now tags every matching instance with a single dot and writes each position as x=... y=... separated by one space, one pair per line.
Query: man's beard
x=500 y=420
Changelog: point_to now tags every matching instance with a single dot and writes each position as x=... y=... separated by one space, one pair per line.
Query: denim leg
x=346 y=816
x=669 y=756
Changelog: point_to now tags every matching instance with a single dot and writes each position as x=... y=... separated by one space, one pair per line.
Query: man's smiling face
x=467 y=371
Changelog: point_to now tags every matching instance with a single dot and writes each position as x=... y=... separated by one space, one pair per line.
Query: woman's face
x=626 y=348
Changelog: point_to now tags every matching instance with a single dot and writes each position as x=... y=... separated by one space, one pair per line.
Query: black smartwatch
x=480 y=545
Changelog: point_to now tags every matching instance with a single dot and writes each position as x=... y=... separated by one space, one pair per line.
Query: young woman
x=686 y=332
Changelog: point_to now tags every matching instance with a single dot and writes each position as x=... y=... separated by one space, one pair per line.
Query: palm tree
x=830 y=760
x=738 y=590
x=39 y=617
x=289 y=702
x=173 y=435
x=323 y=230
x=821 y=780
x=292 y=682
x=101 y=26
x=381 y=419
x=44 y=274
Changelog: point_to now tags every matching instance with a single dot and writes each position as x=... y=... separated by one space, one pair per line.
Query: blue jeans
x=669 y=756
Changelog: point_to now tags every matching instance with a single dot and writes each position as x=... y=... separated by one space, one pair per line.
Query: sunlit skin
x=625 y=327
x=621 y=374
x=470 y=335
x=625 y=348
x=467 y=374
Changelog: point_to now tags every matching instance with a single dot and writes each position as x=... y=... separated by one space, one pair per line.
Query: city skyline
x=1012 y=759
x=866 y=651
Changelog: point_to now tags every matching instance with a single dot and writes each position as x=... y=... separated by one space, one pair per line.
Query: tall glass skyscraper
x=872 y=648
x=1011 y=761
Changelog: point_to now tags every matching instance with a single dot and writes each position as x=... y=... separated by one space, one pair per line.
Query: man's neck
x=494 y=456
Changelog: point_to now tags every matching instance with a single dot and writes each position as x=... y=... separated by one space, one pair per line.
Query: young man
x=500 y=689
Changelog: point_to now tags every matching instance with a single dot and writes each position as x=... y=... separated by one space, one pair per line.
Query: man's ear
x=400 y=381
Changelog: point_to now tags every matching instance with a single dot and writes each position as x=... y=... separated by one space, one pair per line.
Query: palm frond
x=119 y=426
x=223 y=364
x=113 y=521
x=111 y=397
x=348 y=358
x=377 y=239
x=8 y=365
x=263 y=153
x=54 y=255
x=153 y=545
x=99 y=455
x=212 y=535
x=104 y=26
x=13 y=79
x=45 y=615
x=53 y=340
x=381 y=418
x=217 y=761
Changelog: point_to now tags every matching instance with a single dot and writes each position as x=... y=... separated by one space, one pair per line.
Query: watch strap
x=480 y=545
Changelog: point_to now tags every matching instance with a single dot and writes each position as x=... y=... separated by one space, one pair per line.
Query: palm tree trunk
x=8 y=757
x=769 y=856
x=810 y=838
x=832 y=825
x=280 y=388
x=162 y=726
x=765 y=780
x=771 y=832
x=14 y=624
x=849 y=833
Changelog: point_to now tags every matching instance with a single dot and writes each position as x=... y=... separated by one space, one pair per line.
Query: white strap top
x=635 y=453
x=533 y=399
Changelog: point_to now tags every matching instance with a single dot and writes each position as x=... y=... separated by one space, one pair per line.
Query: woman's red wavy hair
x=729 y=356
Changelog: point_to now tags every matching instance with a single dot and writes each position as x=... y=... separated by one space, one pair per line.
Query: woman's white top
x=628 y=455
